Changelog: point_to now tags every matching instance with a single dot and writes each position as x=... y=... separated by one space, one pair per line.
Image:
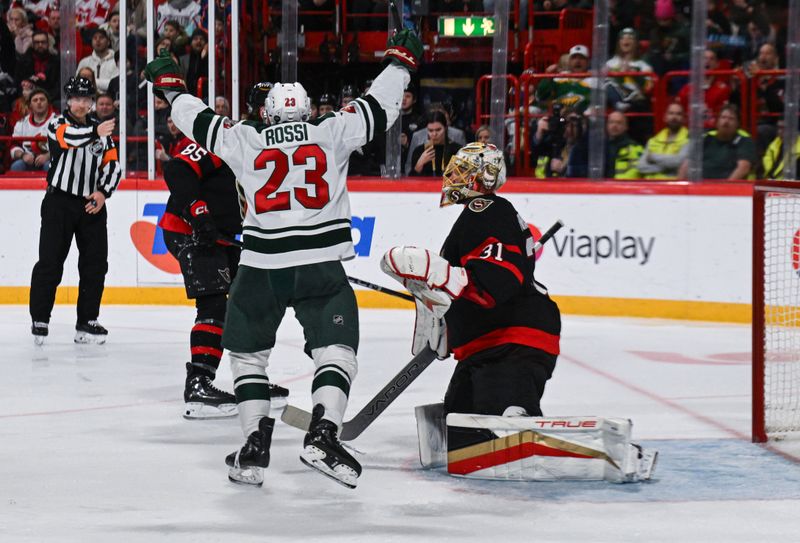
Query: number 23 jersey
x=293 y=175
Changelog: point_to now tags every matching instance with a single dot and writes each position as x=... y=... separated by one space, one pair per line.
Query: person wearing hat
x=568 y=91
x=327 y=104
x=628 y=92
x=194 y=64
x=101 y=61
x=669 y=40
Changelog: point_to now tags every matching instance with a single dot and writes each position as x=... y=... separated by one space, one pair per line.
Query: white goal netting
x=781 y=314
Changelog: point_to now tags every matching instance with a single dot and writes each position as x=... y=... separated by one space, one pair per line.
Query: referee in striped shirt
x=84 y=171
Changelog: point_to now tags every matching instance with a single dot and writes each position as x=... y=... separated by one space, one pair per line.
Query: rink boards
x=674 y=250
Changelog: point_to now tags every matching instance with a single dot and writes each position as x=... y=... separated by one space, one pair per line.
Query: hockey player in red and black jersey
x=501 y=325
x=203 y=215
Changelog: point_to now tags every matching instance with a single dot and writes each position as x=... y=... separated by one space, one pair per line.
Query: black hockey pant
x=64 y=216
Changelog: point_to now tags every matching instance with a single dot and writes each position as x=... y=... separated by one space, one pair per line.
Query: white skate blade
x=86 y=338
x=647 y=465
x=314 y=458
x=246 y=476
x=200 y=411
x=39 y=340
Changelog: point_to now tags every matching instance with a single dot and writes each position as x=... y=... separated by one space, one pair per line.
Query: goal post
x=776 y=310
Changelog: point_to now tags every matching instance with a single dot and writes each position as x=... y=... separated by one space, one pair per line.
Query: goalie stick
x=351 y=429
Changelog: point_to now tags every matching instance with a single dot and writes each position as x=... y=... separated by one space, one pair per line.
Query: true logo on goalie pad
x=479 y=204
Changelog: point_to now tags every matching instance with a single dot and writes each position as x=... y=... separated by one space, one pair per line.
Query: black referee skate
x=203 y=399
x=323 y=451
x=246 y=465
x=39 y=331
x=277 y=396
x=90 y=332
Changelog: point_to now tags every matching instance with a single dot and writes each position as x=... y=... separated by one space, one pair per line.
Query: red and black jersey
x=196 y=174
x=503 y=303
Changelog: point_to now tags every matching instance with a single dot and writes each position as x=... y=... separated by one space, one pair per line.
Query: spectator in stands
x=40 y=66
x=222 y=106
x=195 y=63
x=432 y=157
x=40 y=8
x=111 y=26
x=769 y=94
x=728 y=152
x=52 y=25
x=177 y=35
x=628 y=92
x=187 y=13
x=551 y=145
x=88 y=73
x=669 y=40
x=666 y=151
x=104 y=107
x=89 y=15
x=570 y=92
x=772 y=162
x=101 y=61
x=20 y=28
x=327 y=104
x=419 y=137
x=33 y=155
x=622 y=152
x=313 y=113
x=716 y=88
x=20 y=106
x=483 y=134
x=408 y=115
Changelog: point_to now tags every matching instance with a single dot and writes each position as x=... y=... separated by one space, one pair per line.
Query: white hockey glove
x=429 y=330
x=418 y=268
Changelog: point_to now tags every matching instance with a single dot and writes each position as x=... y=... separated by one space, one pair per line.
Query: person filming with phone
x=432 y=157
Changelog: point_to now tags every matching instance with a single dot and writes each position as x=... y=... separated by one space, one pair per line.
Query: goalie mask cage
x=776 y=310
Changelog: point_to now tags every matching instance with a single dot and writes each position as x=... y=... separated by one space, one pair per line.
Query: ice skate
x=247 y=464
x=277 y=396
x=90 y=332
x=203 y=399
x=323 y=452
x=39 y=331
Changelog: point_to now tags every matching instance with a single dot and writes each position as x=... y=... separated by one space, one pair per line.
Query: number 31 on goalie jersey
x=270 y=198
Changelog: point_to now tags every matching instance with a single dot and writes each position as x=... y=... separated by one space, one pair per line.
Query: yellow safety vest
x=660 y=144
x=626 y=162
x=773 y=158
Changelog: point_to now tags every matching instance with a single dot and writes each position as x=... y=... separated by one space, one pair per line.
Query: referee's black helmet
x=79 y=86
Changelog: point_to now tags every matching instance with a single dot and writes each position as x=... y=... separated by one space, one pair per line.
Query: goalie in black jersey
x=203 y=217
x=501 y=325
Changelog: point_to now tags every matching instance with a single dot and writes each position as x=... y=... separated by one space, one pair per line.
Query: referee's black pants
x=64 y=216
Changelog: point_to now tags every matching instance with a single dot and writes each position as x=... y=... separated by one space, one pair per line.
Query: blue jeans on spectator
x=20 y=166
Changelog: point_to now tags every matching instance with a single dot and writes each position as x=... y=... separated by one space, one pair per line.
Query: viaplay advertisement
x=614 y=248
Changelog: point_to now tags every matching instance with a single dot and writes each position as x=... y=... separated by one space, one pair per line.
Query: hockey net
x=776 y=311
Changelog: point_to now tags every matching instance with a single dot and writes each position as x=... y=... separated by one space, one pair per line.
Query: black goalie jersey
x=503 y=303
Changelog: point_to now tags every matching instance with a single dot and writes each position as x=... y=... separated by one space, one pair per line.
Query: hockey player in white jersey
x=296 y=233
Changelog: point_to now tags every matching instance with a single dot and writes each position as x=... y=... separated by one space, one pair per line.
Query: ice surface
x=93 y=446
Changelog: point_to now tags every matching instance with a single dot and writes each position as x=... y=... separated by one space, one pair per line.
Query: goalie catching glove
x=166 y=77
x=404 y=48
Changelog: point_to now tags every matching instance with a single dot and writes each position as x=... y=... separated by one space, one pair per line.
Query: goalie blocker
x=532 y=448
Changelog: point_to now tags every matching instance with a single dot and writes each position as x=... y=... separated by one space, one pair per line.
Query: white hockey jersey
x=293 y=175
x=190 y=16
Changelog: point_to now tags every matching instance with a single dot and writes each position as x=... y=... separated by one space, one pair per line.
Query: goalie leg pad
x=545 y=449
x=336 y=368
x=251 y=387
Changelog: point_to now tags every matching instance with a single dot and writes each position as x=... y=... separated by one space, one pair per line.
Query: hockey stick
x=379 y=288
x=353 y=428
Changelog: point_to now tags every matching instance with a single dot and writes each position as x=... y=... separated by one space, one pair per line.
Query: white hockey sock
x=251 y=388
x=336 y=369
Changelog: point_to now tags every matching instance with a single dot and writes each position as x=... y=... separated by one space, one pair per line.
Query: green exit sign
x=466 y=27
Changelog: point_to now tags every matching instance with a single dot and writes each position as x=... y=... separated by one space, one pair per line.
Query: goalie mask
x=477 y=168
x=288 y=102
